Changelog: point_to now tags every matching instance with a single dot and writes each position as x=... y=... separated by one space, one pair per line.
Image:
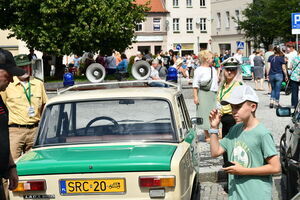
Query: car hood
x=93 y=159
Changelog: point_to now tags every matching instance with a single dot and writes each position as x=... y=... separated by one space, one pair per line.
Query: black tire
x=283 y=187
x=282 y=148
x=196 y=190
x=291 y=183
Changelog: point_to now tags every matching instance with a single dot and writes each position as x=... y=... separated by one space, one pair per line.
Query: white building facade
x=224 y=33
x=150 y=35
x=14 y=45
x=188 y=25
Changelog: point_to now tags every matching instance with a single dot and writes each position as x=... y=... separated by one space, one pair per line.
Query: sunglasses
x=233 y=69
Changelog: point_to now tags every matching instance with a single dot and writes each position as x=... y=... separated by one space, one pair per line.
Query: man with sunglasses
x=249 y=145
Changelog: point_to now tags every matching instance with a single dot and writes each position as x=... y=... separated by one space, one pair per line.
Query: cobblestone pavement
x=212 y=191
x=215 y=191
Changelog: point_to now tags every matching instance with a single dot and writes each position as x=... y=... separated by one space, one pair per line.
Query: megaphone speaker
x=141 y=70
x=95 y=73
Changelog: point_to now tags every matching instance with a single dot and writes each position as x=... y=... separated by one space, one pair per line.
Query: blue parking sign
x=295 y=23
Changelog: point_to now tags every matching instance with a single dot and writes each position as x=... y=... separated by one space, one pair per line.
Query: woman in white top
x=205 y=87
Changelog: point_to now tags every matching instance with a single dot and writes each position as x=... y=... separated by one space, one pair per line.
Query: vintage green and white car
x=122 y=143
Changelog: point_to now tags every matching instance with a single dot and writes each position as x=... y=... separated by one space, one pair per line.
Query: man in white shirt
x=154 y=75
x=239 y=55
x=291 y=55
x=251 y=58
x=267 y=64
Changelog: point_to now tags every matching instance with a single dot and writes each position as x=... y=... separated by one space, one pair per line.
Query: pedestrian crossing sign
x=240 y=45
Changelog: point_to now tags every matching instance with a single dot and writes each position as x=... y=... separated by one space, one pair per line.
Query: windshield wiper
x=159 y=119
x=130 y=120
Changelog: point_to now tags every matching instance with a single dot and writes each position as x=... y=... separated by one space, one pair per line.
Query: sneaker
x=271 y=105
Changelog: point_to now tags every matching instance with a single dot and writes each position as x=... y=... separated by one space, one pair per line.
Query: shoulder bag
x=208 y=85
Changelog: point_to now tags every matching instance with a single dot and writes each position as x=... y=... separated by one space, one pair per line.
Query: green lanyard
x=221 y=93
x=28 y=93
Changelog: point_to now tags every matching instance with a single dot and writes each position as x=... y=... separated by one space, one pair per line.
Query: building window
x=202 y=3
x=139 y=27
x=203 y=24
x=175 y=3
x=188 y=3
x=176 y=24
x=156 y=24
x=237 y=17
x=189 y=24
x=218 y=20
x=227 y=25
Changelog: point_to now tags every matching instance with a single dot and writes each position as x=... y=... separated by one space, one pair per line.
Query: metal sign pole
x=297 y=44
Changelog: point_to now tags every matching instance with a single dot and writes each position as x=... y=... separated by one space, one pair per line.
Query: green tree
x=282 y=13
x=60 y=27
x=266 y=20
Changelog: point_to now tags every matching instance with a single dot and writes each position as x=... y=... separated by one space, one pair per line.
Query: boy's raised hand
x=214 y=119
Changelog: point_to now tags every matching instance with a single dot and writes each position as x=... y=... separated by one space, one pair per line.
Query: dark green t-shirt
x=250 y=149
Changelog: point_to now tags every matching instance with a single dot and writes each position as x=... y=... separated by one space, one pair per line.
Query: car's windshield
x=106 y=121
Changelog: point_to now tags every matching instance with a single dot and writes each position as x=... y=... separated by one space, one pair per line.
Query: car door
x=293 y=137
x=293 y=154
x=191 y=134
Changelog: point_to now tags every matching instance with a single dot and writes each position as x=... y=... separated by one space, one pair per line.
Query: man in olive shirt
x=25 y=99
x=8 y=170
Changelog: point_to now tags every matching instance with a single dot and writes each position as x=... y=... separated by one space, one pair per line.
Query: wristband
x=12 y=166
x=213 y=131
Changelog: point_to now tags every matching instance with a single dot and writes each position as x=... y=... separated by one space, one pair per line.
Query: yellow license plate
x=92 y=186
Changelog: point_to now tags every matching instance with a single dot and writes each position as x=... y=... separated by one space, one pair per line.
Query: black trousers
x=2 y=193
x=227 y=122
x=295 y=91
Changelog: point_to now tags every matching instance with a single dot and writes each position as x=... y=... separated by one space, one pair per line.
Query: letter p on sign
x=297 y=19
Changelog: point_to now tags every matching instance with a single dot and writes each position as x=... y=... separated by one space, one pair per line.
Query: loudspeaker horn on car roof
x=141 y=70
x=95 y=73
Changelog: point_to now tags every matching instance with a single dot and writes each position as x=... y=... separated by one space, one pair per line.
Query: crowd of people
x=280 y=69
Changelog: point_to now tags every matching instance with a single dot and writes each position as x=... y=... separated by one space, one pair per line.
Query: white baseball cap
x=240 y=94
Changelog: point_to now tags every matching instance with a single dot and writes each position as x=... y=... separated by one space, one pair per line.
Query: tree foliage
x=267 y=20
x=61 y=27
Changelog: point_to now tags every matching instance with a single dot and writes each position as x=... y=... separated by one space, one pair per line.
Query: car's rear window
x=107 y=121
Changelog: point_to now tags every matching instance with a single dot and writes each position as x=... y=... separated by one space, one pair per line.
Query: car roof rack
x=131 y=83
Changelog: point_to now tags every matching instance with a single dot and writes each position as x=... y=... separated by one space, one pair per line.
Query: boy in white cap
x=249 y=145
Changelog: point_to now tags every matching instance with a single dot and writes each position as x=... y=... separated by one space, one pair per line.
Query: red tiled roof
x=155 y=5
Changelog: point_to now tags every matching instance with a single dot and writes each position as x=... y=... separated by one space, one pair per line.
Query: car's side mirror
x=197 y=120
x=283 y=112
